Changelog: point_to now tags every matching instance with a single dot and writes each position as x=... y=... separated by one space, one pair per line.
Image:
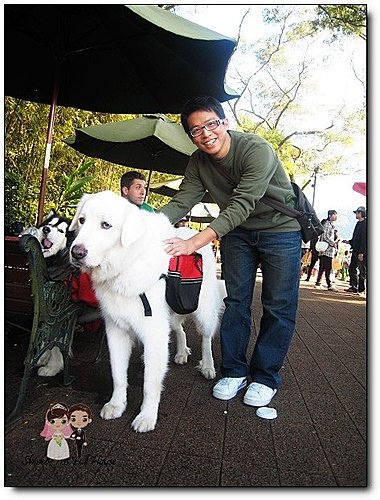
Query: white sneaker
x=258 y=394
x=317 y=285
x=332 y=288
x=228 y=387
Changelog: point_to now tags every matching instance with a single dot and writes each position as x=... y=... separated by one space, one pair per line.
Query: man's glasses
x=211 y=125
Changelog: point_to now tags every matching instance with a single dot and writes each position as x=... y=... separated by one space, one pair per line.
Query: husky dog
x=55 y=239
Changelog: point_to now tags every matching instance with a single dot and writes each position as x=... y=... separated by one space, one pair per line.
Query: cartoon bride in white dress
x=56 y=430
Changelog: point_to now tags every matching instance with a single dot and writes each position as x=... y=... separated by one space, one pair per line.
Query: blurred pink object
x=360 y=187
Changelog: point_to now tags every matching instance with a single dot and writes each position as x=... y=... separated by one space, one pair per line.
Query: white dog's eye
x=105 y=225
x=81 y=220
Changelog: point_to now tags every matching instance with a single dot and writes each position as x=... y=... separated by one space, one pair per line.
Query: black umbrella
x=151 y=142
x=170 y=188
x=110 y=58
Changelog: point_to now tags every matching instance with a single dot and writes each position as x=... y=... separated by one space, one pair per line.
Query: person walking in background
x=314 y=258
x=305 y=259
x=326 y=257
x=358 y=244
x=133 y=188
x=237 y=169
x=337 y=241
x=345 y=265
x=336 y=264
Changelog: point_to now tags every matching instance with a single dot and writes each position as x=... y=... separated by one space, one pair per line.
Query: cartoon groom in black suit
x=80 y=417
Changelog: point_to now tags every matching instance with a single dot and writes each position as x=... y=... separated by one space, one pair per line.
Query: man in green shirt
x=133 y=188
x=237 y=169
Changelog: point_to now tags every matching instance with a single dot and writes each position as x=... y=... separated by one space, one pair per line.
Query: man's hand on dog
x=177 y=246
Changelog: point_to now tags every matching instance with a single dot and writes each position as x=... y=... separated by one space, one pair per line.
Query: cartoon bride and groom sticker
x=63 y=423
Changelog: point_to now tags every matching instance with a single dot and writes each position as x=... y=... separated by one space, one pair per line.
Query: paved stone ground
x=317 y=440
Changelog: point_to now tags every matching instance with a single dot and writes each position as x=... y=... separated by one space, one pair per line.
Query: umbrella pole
x=148 y=184
x=49 y=137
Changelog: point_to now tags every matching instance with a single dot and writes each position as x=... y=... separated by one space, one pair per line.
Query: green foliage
x=76 y=183
x=340 y=19
x=69 y=172
x=343 y=19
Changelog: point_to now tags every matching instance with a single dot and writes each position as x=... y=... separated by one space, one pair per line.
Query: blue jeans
x=279 y=255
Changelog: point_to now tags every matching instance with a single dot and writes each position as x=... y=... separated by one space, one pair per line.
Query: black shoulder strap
x=145 y=301
x=277 y=205
x=281 y=207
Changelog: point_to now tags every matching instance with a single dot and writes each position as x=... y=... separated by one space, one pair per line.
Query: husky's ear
x=47 y=217
x=74 y=222
x=133 y=226
x=51 y=213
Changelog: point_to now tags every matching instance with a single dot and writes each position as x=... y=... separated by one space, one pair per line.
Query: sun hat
x=360 y=209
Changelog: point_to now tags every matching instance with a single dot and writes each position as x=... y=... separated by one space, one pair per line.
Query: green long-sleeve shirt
x=237 y=182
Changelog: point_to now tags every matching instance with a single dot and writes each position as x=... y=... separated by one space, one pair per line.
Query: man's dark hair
x=81 y=407
x=204 y=103
x=330 y=213
x=127 y=178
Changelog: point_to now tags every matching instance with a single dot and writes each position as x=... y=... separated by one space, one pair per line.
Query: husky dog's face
x=52 y=235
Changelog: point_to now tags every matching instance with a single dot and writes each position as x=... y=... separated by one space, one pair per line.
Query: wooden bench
x=18 y=288
x=30 y=290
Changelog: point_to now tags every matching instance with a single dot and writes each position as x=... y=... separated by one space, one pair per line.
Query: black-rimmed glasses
x=211 y=125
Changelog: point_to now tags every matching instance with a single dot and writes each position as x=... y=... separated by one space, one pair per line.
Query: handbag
x=311 y=226
x=183 y=283
x=321 y=246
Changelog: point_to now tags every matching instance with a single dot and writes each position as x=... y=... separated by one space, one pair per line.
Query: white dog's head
x=103 y=221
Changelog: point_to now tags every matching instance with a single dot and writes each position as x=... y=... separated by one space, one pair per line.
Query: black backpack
x=311 y=226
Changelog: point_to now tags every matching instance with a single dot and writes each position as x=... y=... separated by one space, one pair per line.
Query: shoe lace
x=263 y=390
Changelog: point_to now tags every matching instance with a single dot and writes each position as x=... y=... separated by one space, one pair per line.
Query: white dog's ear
x=74 y=222
x=132 y=228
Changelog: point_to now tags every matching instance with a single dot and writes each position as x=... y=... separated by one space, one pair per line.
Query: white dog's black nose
x=78 y=252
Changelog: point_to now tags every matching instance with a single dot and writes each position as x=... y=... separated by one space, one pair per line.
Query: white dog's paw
x=181 y=357
x=207 y=371
x=144 y=422
x=49 y=371
x=110 y=411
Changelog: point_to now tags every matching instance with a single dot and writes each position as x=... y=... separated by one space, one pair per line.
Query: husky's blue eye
x=105 y=225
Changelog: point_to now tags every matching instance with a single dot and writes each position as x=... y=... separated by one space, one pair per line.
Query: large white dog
x=123 y=249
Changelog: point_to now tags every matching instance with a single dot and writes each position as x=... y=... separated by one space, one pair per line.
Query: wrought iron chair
x=54 y=319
